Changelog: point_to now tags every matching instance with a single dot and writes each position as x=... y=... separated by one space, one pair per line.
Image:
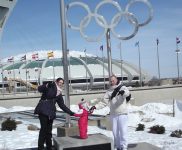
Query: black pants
x=45 y=134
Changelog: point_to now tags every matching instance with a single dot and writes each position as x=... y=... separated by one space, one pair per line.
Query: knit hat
x=83 y=105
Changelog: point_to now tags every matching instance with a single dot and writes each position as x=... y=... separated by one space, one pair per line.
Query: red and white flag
x=35 y=56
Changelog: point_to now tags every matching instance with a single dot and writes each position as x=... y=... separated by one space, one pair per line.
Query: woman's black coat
x=49 y=92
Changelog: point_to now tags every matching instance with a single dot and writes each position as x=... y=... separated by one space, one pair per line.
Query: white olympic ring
x=78 y=4
x=101 y=21
x=149 y=7
x=134 y=22
x=82 y=26
x=96 y=12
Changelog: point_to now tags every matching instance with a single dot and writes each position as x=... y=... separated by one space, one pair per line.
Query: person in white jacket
x=117 y=98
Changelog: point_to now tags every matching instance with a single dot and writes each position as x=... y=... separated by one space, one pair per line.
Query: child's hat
x=84 y=104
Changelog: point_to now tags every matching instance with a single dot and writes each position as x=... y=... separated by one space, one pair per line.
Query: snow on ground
x=149 y=114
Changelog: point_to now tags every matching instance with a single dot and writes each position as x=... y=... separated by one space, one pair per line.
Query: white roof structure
x=83 y=68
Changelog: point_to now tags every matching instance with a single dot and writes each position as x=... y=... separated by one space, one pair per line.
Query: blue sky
x=35 y=25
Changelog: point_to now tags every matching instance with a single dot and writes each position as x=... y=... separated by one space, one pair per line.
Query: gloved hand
x=71 y=113
x=121 y=92
x=128 y=98
x=92 y=109
x=76 y=115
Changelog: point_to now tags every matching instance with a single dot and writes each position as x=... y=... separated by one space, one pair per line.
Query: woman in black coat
x=52 y=93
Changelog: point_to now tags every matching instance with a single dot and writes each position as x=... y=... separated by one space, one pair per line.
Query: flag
x=50 y=54
x=101 y=47
x=11 y=59
x=177 y=40
x=85 y=50
x=23 y=58
x=137 y=43
x=35 y=56
x=157 y=40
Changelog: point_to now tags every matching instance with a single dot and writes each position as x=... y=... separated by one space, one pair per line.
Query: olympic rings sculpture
x=101 y=21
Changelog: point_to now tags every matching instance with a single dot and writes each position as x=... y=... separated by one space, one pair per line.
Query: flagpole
x=158 y=59
x=14 y=76
x=26 y=77
x=20 y=79
x=2 y=82
x=86 y=68
x=69 y=68
x=109 y=57
x=177 y=53
x=38 y=73
x=53 y=71
x=139 y=64
x=39 y=70
x=121 y=61
x=103 y=68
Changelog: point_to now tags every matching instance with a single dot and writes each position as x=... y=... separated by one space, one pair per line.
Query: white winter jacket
x=118 y=104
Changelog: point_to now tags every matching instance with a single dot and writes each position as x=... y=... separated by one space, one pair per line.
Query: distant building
x=84 y=69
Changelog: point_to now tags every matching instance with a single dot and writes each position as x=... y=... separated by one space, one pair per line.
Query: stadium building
x=84 y=70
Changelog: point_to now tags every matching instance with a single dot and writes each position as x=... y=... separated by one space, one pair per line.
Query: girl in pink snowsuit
x=83 y=120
